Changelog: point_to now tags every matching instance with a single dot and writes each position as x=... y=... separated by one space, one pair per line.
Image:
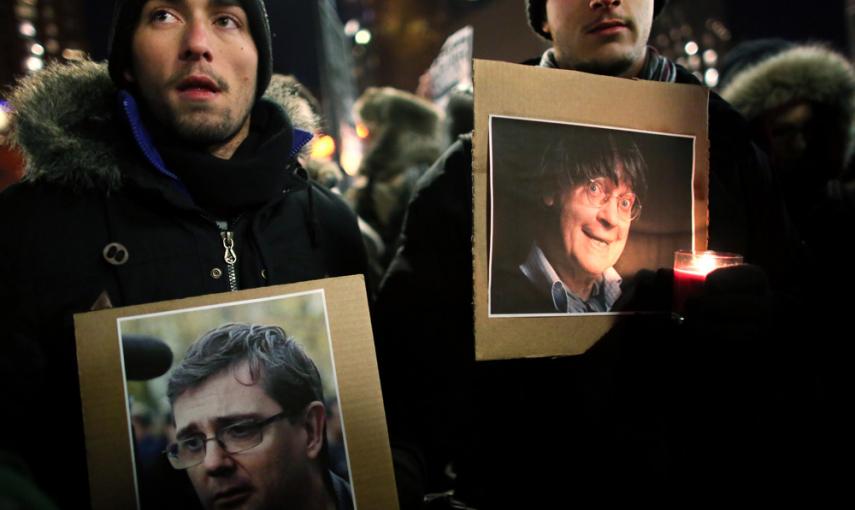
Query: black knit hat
x=126 y=16
x=537 y=14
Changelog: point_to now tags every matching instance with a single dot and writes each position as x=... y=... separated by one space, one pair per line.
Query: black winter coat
x=652 y=407
x=92 y=217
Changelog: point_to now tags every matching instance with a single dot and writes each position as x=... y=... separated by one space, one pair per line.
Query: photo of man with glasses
x=250 y=422
x=571 y=211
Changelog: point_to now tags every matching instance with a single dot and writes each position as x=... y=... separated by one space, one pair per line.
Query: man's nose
x=608 y=214
x=196 y=41
x=217 y=461
x=599 y=4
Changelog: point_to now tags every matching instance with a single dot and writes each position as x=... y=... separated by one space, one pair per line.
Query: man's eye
x=626 y=203
x=241 y=430
x=594 y=187
x=162 y=16
x=192 y=444
x=226 y=22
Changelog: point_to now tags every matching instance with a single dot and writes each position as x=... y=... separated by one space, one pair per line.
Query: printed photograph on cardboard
x=236 y=406
x=576 y=211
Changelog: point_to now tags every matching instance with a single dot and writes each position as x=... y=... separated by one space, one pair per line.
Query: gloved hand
x=725 y=379
x=736 y=307
x=650 y=291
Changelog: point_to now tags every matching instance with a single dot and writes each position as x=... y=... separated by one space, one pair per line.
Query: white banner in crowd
x=453 y=67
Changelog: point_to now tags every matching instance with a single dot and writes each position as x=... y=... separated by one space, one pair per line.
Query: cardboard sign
x=131 y=424
x=452 y=67
x=582 y=183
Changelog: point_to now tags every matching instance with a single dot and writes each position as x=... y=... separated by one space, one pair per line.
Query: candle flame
x=706 y=264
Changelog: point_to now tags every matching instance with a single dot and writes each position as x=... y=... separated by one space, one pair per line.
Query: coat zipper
x=230 y=257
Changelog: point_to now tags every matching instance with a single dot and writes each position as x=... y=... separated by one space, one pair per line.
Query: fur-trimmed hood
x=66 y=126
x=405 y=132
x=808 y=72
x=403 y=141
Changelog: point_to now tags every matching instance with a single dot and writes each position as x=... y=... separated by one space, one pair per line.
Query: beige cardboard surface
x=102 y=383
x=527 y=92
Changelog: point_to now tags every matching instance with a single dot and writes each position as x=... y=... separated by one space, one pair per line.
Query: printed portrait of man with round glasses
x=564 y=216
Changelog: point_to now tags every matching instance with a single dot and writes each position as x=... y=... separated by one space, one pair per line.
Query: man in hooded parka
x=163 y=175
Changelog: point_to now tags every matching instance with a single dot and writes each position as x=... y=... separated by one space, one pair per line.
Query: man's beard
x=196 y=124
x=203 y=133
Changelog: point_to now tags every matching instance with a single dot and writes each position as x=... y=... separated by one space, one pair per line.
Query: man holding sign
x=165 y=174
x=600 y=417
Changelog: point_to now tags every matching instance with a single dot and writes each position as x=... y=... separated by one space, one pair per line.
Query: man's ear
x=545 y=26
x=315 y=424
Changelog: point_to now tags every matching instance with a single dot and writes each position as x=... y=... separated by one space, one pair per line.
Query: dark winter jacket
x=634 y=412
x=94 y=216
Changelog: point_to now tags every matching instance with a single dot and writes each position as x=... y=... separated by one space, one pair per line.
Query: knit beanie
x=537 y=14
x=126 y=15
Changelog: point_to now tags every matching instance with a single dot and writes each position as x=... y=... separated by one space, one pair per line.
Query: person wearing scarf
x=545 y=433
x=165 y=174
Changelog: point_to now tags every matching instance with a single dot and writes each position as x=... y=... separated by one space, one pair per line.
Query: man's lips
x=232 y=495
x=596 y=238
x=198 y=86
x=608 y=26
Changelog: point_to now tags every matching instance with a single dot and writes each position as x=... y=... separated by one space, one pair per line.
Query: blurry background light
x=711 y=78
x=73 y=54
x=27 y=29
x=361 y=130
x=363 y=36
x=694 y=63
x=350 y=161
x=24 y=11
x=37 y=49
x=323 y=147
x=52 y=45
x=351 y=27
x=34 y=64
x=4 y=119
x=692 y=48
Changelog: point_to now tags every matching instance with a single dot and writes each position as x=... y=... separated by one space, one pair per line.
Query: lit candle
x=691 y=270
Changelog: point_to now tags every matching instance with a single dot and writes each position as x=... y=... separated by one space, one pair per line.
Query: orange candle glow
x=691 y=270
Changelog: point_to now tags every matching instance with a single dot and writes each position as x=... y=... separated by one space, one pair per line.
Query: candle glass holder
x=691 y=270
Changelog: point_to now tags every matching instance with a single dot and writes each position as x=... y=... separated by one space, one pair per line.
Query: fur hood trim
x=405 y=132
x=65 y=124
x=809 y=72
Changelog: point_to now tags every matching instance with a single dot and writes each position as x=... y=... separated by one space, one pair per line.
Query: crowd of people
x=179 y=168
